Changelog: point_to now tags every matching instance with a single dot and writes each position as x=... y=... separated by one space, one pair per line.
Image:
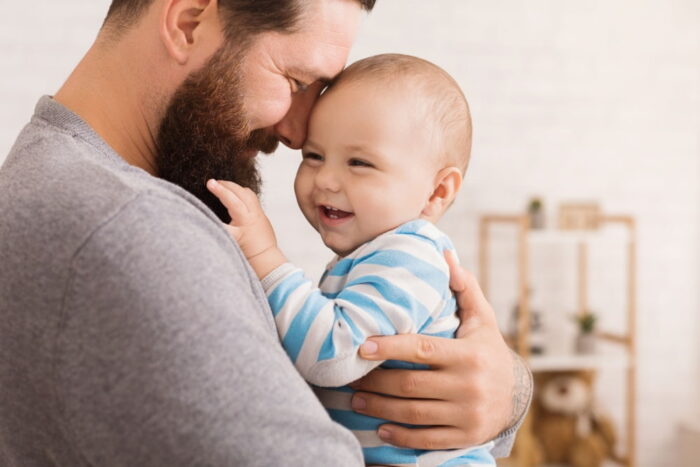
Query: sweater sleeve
x=395 y=285
x=167 y=354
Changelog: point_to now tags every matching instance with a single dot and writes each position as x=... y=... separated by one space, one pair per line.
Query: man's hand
x=249 y=226
x=476 y=388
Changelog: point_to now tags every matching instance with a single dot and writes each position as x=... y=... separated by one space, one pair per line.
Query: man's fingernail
x=358 y=402
x=384 y=434
x=369 y=347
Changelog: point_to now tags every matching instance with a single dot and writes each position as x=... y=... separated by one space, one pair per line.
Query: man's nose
x=291 y=130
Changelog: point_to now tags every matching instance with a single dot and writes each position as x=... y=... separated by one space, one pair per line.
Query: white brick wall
x=571 y=100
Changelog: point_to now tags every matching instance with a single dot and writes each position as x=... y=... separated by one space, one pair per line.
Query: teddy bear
x=566 y=424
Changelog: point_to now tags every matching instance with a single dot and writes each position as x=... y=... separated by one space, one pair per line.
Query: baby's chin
x=342 y=252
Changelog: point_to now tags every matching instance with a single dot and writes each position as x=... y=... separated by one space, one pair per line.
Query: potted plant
x=585 y=341
x=536 y=212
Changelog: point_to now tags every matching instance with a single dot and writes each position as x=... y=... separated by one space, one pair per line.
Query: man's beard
x=204 y=133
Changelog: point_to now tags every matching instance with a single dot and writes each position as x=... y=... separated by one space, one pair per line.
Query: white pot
x=585 y=343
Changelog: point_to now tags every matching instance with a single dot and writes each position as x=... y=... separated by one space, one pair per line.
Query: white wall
x=571 y=100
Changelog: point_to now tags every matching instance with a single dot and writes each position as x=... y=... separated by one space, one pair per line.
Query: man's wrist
x=522 y=391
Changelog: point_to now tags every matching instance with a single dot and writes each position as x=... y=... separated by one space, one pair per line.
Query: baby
x=388 y=144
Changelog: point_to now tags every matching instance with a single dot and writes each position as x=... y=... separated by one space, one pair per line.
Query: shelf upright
x=627 y=340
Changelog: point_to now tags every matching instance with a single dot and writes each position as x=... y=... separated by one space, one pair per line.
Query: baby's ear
x=447 y=184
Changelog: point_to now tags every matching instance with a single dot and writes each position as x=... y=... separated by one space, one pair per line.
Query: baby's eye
x=359 y=163
x=311 y=157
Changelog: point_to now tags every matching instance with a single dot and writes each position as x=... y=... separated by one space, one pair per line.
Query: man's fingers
x=416 y=384
x=432 y=439
x=233 y=203
x=472 y=305
x=458 y=277
x=413 y=411
x=416 y=348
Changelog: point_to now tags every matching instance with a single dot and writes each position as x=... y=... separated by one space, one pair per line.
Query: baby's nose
x=326 y=179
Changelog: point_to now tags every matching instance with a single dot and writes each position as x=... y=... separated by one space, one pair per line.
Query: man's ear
x=182 y=23
x=447 y=184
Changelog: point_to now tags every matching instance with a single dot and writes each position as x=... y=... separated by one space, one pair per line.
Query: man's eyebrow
x=310 y=76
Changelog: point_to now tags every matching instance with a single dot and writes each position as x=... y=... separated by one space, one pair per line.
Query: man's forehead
x=327 y=31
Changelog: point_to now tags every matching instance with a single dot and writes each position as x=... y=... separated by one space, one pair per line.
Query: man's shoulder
x=55 y=181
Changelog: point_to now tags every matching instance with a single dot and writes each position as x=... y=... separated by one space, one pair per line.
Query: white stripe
x=400 y=276
x=397 y=315
x=448 y=323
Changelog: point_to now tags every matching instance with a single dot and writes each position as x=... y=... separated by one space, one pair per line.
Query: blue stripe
x=390 y=455
x=281 y=293
x=358 y=337
x=342 y=267
x=447 y=334
x=423 y=270
x=427 y=323
x=479 y=456
x=394 y=295
x=412 y=227
x=386 y=327
x=296 y=334
x=327 y=348
x=345 y=389
x=449 y=307
x=355 y=421
x=401 y=365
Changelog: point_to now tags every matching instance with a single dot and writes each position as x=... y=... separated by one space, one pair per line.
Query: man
x=122 y=345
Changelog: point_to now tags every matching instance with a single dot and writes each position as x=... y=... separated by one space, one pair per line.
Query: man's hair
x=441 y=100
x=248 y=16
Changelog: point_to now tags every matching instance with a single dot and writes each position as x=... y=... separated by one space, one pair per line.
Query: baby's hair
x=433 y=85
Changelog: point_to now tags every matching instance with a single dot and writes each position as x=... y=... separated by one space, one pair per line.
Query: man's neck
x=111 y=96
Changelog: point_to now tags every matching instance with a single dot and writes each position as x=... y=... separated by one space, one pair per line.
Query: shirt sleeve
x=398 y=285
x=167 y=354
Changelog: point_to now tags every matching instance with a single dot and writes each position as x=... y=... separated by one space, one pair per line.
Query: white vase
x=585 y=343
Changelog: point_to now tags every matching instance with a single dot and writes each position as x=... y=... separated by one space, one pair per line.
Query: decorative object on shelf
x=537 y=330
x=535 y=210
x=579 y=216
x=585 y=340
x=567 y=425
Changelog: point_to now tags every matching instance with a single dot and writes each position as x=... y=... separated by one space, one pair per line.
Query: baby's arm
x=386 y=292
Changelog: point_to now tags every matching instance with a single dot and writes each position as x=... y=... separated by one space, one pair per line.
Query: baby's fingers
x=233 y=203
x=246 y=195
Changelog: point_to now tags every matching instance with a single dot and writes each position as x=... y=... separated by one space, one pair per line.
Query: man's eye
x=359 y=163
x=298 y=86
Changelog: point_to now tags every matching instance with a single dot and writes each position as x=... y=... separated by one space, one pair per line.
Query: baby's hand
x=249 y=226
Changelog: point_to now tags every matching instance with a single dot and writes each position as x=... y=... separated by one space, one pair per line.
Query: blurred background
x=586 y=125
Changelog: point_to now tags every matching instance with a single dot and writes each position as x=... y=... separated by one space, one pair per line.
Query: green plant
x=586 y=322
x=535 y=205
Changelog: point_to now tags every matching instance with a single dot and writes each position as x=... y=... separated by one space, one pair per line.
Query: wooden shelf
x=549 y=236
x=572 y=362
x=619 y=349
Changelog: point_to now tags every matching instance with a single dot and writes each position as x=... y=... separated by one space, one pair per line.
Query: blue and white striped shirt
x=397 y=283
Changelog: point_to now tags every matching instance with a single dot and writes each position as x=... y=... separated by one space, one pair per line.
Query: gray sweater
x=132 y=331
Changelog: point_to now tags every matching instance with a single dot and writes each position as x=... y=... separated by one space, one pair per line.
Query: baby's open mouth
x=333 y=213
